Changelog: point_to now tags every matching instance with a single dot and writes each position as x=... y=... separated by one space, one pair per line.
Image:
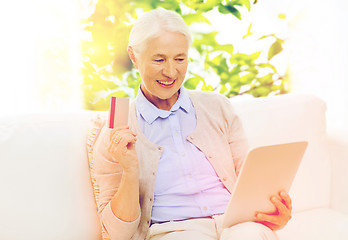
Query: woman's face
x=162 y=67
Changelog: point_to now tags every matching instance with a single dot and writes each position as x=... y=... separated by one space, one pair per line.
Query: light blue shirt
x=186 y=183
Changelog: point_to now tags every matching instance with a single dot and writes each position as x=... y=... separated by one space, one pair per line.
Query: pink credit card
x=118 y=112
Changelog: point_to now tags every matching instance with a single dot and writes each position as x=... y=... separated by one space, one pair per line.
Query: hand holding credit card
x=118 y=112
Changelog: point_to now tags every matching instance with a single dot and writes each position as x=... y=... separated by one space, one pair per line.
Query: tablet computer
x=265 y=172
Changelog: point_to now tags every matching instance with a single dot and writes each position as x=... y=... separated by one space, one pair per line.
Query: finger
x=134 y=140
x=281 y=207
x=286 y=199
x=116 y=139
x=118 y=129
x=262 y=217
x=120 y=143
x=272 y=226
x=123 y=146
x=122 y=132
x=126 y=133
x=129 y=132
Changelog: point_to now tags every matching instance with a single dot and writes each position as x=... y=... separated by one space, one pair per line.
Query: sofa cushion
x=338 y=143
x=44 y=179
x=318 y=224
x=287 y=118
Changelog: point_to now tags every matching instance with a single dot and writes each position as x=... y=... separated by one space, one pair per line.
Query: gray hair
x=152 y=23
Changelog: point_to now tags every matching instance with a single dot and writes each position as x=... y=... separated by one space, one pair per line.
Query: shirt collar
x=150 y=112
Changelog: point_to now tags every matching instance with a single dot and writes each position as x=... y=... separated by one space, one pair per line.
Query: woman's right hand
x=122 y=147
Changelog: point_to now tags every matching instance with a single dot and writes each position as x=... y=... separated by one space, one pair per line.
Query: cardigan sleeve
x=107 y=174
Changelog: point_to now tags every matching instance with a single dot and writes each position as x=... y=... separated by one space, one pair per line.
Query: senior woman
x=169 y=174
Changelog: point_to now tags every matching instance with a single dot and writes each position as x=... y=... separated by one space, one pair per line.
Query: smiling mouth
x=166 y=83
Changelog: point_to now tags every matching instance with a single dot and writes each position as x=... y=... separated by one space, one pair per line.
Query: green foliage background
x=107 y=70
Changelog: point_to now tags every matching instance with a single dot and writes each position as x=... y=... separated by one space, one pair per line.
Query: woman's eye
x=159 y=60
x=180 y=59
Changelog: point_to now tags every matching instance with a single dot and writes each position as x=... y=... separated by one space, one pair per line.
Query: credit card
x=118 y=112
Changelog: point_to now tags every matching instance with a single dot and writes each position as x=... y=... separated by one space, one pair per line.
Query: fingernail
x=274 y=199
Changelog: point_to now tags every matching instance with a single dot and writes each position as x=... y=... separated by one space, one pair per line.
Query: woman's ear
x=132 y=56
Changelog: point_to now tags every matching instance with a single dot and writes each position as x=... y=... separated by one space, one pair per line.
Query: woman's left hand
x=281 y=217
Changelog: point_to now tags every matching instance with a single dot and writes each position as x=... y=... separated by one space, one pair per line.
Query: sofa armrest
x=338 y=145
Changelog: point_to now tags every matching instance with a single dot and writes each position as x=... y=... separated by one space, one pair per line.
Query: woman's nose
x=169 y=70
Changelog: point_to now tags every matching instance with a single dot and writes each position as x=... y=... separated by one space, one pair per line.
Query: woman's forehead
x=168 y=43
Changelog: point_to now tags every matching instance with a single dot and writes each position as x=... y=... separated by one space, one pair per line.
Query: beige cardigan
x=219 y=135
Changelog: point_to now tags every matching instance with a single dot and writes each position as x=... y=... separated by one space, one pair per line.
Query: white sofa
x=46 y=190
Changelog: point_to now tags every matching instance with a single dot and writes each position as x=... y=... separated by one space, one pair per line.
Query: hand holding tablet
x=266 y=171
x=281 y=217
